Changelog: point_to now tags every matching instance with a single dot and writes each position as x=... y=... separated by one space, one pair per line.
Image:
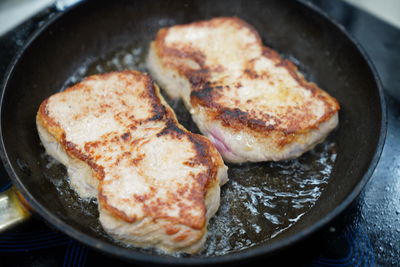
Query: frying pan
x=92 y=30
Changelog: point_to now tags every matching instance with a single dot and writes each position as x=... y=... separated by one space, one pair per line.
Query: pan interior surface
x=260 y=201
x=274 y=202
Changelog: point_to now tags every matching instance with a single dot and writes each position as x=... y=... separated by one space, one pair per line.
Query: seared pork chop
x=157 y=184
x=251 y=103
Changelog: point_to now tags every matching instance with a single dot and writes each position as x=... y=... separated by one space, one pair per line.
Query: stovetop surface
x=365 y=234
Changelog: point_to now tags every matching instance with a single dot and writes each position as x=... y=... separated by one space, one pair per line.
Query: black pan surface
x=266 y=206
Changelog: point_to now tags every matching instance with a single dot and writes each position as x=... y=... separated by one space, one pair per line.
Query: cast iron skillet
x=93 y=29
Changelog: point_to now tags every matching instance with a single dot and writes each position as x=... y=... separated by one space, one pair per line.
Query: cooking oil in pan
x=260 y=201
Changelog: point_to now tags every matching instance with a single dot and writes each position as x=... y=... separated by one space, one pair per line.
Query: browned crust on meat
x=206 y=155
x=199 y=77
x=159 y=112
x=58 y=133
x=206 y=94
x=171 y=230
x=205 y=152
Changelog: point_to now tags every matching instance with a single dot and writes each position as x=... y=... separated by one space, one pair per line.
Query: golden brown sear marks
x=119 y=125
x=235 y=84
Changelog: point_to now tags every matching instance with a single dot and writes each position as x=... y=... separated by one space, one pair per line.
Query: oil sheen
x=260 y=201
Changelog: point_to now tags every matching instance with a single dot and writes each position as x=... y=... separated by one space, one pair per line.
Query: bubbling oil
x=260 y=201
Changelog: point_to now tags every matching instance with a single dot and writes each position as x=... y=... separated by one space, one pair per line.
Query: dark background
x=365 y=234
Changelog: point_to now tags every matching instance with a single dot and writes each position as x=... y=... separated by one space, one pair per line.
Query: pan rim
x=132 y=255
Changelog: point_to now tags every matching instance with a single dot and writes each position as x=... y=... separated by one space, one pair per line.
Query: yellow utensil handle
x=13 y=209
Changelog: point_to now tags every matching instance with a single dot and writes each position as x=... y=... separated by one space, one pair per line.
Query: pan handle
x=13 y=209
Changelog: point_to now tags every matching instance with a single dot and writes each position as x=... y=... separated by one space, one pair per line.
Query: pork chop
x=249 y=101
x=157 y=184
